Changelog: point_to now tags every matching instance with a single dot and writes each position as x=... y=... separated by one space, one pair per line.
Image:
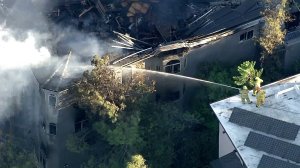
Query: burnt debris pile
x=151 y=21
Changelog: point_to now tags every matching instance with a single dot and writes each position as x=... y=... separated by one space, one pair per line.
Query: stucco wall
x=229 y=50
x=225 y=145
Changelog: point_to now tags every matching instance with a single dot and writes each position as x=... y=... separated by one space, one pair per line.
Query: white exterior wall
x=225 y=145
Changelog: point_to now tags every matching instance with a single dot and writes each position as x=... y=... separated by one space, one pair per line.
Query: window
x=81 y=121
x=243 y=37
x=173 y=66
x=52 y=100
x=250 y=35
x=52 y=128
x=246 y=36
x=81 y=125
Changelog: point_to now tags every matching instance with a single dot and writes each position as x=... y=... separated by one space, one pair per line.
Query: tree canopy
x=13 y=156
x=137 y=161
x=247 y=74
x=273 y=33
x=133 y=129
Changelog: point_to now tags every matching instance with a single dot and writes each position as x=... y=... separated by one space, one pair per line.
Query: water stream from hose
x=180 y=76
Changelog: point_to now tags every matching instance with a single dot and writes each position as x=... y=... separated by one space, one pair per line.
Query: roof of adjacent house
x=226 y=18
x=228 y=161
x=266 y=136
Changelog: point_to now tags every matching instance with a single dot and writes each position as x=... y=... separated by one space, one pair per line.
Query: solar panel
x=270 y=162
x=265 y=124
x=273 y=146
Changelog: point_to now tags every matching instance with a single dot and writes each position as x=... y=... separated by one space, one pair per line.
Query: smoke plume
x=26 y=42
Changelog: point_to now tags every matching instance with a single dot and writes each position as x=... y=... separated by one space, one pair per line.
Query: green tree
x=91 y=163
x=101 y=91
x=273 y=33
x=247 y=74
x=12 y=156
x=161 y=126
x=202 y=145
x=76 y=144
x=111 y=105
x=137 y=161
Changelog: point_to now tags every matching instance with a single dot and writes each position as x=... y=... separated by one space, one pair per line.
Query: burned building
x=222 y=32
x=163 y=37
x=58 y=118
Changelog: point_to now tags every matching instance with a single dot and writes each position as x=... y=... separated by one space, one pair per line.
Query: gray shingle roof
x=227 y=18
x=228 y=161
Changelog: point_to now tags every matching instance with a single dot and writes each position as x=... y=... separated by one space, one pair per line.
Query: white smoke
x=26 y=41
x=15 y=54
x=16 y=58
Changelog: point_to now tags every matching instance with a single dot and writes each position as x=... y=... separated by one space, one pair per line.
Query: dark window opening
x=52 y=128
x=243 y=37
x=169 y=69
x=81 y=125
x=81 y=122
x=246 y=36
x=250 y=34
x=52 y=100
x=173 y=66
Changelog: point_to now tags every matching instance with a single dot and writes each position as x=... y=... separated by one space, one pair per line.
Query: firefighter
x=258 y=82
x=260 y=97
x=244 y=95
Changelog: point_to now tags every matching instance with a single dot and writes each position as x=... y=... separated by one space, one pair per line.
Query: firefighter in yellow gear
x=244 y=95
x=258 y=82
x=260 y=97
